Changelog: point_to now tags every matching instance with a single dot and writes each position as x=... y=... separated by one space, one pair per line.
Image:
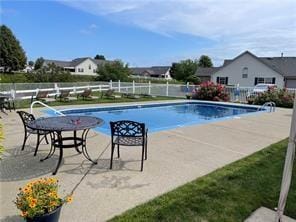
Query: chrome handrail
x=269 y=104
x=47 y=106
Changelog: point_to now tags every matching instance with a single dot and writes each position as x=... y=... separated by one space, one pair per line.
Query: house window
x=268 y=80
x=94 y=71
x=245 y=73
x=80 y=70
x=89 y=66
x=222 y=80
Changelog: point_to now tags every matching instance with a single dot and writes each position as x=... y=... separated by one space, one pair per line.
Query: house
x=79 y=66
x=248 y=70
x=205 y=73
x=28 y=69
x=152 y=72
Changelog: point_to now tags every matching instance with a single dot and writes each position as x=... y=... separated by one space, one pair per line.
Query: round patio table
x=57 y=125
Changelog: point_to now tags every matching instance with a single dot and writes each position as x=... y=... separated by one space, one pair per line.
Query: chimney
x=282 y=54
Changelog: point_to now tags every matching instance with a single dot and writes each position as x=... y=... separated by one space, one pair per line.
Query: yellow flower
x=24 y=213
x=69 y=199
x=33 y=203
x=53 y=194
x=53 y=203
x=27 y=190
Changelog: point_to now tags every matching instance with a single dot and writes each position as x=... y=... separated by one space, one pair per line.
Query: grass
x=228 y=194
x=26 y=103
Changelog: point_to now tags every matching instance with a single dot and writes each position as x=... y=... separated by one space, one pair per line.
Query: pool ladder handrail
x=268 y=104
x=47 y=106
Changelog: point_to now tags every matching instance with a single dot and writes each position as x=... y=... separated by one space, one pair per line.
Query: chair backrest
x=26 y=117
x=127 y=128
x=42 y=94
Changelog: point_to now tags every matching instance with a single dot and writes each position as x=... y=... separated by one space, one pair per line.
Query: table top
x=65 y=123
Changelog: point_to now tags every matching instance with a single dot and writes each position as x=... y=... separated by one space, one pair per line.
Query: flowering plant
x=281 y=97
x=40 y=197
x=211 y=91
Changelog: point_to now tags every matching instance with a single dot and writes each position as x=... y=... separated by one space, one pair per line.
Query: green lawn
x=80 y=101
x=228 y=194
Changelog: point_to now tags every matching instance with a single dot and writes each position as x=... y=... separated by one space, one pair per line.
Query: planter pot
x=53 y=216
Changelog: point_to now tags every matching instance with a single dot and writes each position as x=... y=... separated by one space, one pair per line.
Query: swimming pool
x=164 y=116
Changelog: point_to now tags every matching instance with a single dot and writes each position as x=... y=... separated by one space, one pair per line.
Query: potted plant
x=39 y=200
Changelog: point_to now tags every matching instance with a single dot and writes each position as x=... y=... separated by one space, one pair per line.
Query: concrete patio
x=174 y=157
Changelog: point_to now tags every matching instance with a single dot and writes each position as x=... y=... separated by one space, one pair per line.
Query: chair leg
x=142 y=161
x=112 y=151
x=146 y=149
x=25 y=140
x=118 y=153
x=46 y=140
x=37 y=146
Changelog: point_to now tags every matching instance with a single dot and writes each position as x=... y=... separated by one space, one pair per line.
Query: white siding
x=168 y=75
x=85 y=66
x=234 y=72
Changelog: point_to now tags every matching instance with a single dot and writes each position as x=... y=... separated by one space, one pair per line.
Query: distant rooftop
x=74 y=62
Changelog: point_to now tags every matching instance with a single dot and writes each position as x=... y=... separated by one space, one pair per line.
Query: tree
x=115 y=71
x=101 y=57
x=12 y=55
x=205 y=61
x=39 y=63
x=182 y=70
x=31 y=63
x=50 y=73
x=193 y=79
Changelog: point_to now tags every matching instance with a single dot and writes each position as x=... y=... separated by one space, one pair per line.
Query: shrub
x=281 y=97
x=210 y=91
x=39 y=197
x=193 y=79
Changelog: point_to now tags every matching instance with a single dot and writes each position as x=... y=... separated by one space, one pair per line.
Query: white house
x=79 y=66
x=152 y=72
x=248 y=70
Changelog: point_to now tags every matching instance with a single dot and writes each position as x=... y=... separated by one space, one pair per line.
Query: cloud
x=266 y=27
x=89 y=29
x=8 y=11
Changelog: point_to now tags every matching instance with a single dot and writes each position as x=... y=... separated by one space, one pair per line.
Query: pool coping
x=165 y=103
x=162 y=102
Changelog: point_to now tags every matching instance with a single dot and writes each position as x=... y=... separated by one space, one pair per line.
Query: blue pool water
x=158 y=117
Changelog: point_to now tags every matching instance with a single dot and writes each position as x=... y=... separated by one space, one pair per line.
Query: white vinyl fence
x=27 y=90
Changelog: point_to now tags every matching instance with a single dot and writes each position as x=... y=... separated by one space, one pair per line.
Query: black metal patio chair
x=128 y=133
x=26 y=118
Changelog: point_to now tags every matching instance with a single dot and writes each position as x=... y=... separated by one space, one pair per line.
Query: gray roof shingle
x=154 y=70
x=74 y=62
x=206 y=71
x=285 y=66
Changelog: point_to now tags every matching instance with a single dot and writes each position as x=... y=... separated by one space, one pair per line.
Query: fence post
x=167 y=88
x=187 y=87
x=149 y=88
x=133 y=86
x=110 y=84
x=12 y=93
x=56 y=88
x=119 y=85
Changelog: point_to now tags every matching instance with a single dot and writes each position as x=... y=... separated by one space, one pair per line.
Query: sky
x=151 y=32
